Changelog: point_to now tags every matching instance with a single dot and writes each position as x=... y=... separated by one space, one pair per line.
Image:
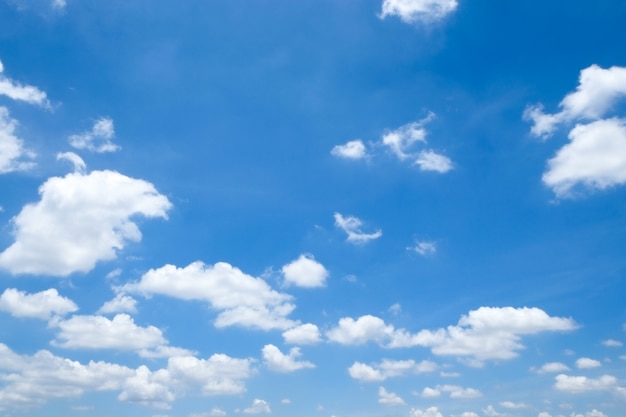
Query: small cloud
x=512 y=405
x=612 y=343
x=285 y=401
x=98 y=139
x=395 y=309
x=418 y=11
x=19 y=92
x=258 y=407
x=431 y=161
x=389 y=398
x=75 y=160
x=551 y=367
x=352 y=226
x=424 y=248
x=354 y=149
x=122 y=303
x=587 y=363
x=59 y=4
x=305 y=272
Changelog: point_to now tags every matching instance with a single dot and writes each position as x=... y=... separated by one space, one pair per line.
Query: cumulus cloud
x=121 y=303
x=19 y=92
x=80 y=220
x=429 y=412
x=352 y=226
x=98 y=139
x=242 y=300
x=582 y=384
x=430 y=393
x=13 y=155
x=277 y=361
x=431 y=161
x=424 y=248
x=354 y=149
x=486 y=333
x=587 y=363
x=304 y=334
x=418 y=11
x=389 y=369
x=258 y=407
x=552 y=367
x=305 y=272
x=389 y=398
x=594 y=157
x=41 y=305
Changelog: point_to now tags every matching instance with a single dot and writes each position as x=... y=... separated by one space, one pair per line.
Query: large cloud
x=81 y=219
x=413 y=11
x=13 y=155
x=242 y=300
x=42 y=305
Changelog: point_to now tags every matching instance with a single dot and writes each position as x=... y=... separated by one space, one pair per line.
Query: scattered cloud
x=612 y=343
x=512 y=405
x=13 y=155
x=429 y=160
x=98 y=139
x=581 y=384
x=418 y=11
x=277 y=361
x=19 y=92
x=80 y=220
x=242 y=300
x=430 y=393
x=395 y=309
x=424 y=248
x=454 y=391
x=389 y=369
x=400 y=140
x=122 y=303
x=352 y=226
x=305 y=272
x=258 y=407
x=552 y=367
x=587 y=363
x=429 y=412
x=389 y=398
x=77 y=162
x=304 y=334
x=41 y=305
x=354 y=149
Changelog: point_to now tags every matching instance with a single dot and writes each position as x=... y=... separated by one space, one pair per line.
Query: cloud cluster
x=595 y=157
x=81 y=219
x=43 y=305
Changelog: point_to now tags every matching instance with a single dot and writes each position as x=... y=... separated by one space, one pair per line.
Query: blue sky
x=319 y=208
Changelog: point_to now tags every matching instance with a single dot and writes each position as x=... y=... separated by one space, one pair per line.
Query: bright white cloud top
x=305 y=272
x=41 y=305
x=354 y=149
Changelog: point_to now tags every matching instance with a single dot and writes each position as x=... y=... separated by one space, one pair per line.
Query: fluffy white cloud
x=80 y=220
x=122 y=303
x=581 y=384
x=19 y=92
x=389 y=369
x=425 y=248
x=431 y=161
x=430 y=393
x=148 y=388
x=513 y=405
x=597 y=92
x=98 y=139
x=587 y=363
x=258 y=407
x=305 y=272
x=242 y=300
x=42 y=305
x=429 y=412
x=454 y=391
x=98 y=332
x=354 y=149
x=304 y=334
x=612 y=343
x=277 y=361
x=352 y=226
x=413 y=11
x=389 y=398
x=552 y=367
x=595 y=158
x=400 y=140
x=13 y=155
x=486 y=333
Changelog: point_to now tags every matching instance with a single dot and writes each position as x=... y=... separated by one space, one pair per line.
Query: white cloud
x=491 y=412
x=389 y=369
x=305 y=272
x=277 y=361
x=430 y=393
x=431 y=161
x=594 y=158
x=354 y=149
x=612 y=343
x=78 y=163
x=122 y=303
x=352 y=226
x=42 y=305
x=304 y=334
x=454 y=391
x=552 y=367
x=544 y=414
x=98 y=139
x=241 y=299
x=395 y=309
x=98 y=332
x=469 y=414
x=19 y=92
x=429 y=412
x=414 y=11
x=486 y=333
x=258 y=407
x=148 y=388
x=13 y=155
x=587 y=363
x=513 y=405
x=400 y=140
x=59 y=4
x=425 y=248
x=597 y=92
x=80 y=220
x=581 y=384
x=389 y=398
